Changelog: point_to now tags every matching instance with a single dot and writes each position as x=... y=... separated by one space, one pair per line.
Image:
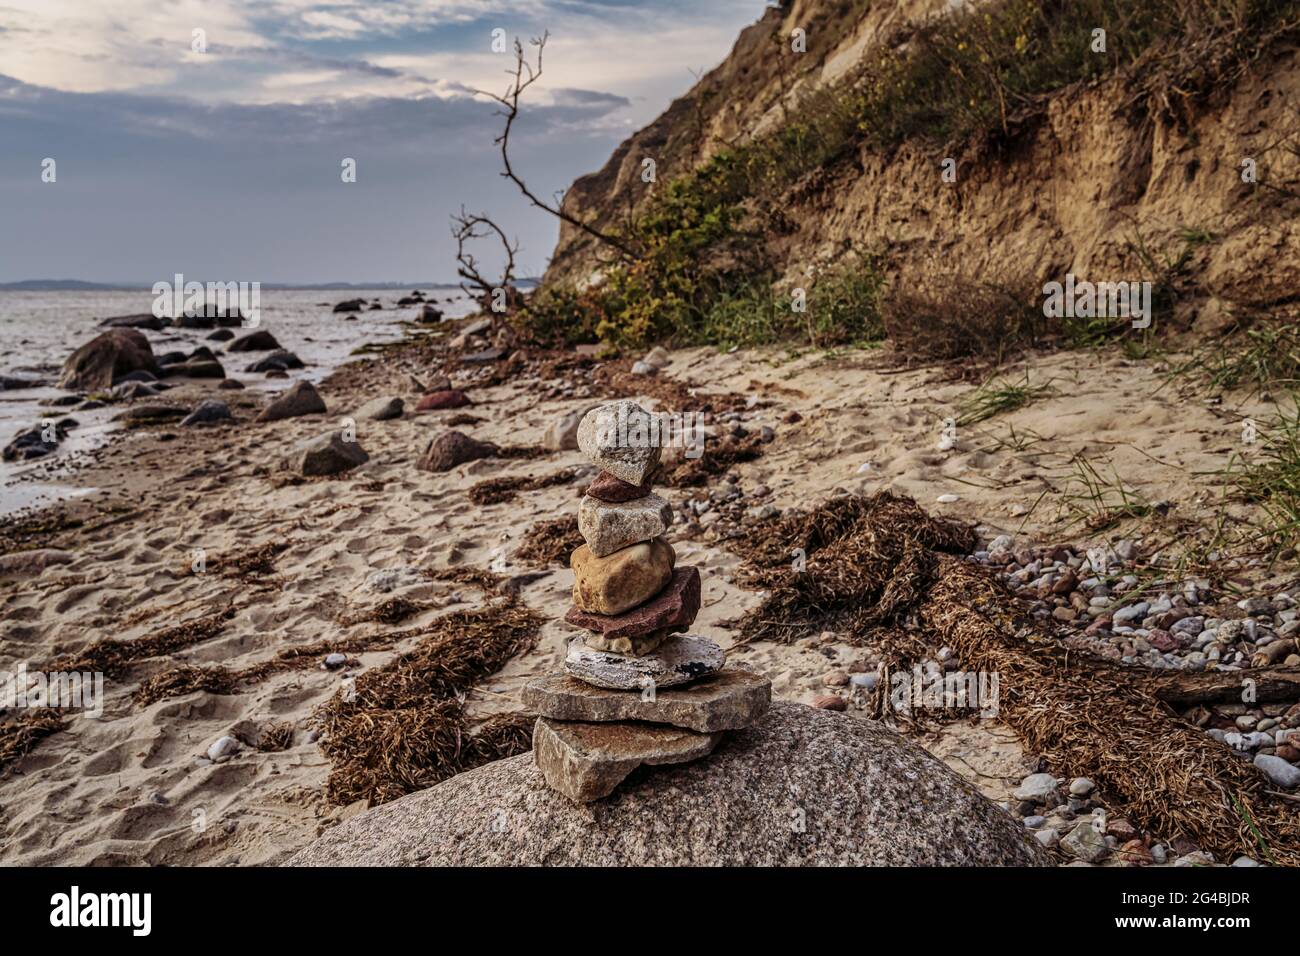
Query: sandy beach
x=288 y=562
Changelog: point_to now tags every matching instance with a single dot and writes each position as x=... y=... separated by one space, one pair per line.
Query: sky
x=207 y=137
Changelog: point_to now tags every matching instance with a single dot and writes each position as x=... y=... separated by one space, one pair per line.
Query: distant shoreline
x=76 y=285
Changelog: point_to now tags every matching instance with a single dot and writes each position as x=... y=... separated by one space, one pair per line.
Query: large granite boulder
x=800 y=787
x=105 y=358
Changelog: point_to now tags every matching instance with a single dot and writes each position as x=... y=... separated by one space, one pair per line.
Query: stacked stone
x=636 y=689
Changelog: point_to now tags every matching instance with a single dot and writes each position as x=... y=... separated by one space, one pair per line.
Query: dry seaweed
x=719 y=457
x=186 y=678
x=275 y=738
x=401 y=727
x=881 y=561
x=25 y=731
x=550 y=542
x=110 y=656
x=494 y=491
x=851 y=565
x=488 y=582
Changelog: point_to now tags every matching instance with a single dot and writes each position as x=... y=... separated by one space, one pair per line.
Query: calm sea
x=39 y=330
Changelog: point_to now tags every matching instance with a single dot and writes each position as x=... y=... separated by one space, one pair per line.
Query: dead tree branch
x=467 y=228
x=524 y=75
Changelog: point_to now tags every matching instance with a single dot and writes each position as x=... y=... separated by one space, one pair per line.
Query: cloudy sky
x=226 y=164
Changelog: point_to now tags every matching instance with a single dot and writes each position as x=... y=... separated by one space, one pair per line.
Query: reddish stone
x=1121 y=830
x=831 y=702
x=673 y=609
x=1135 y=853
x=447 y=398
x=454 y=448
x=607 y=487
x=1162 y=640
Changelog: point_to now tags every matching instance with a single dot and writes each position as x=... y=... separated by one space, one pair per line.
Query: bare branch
x=524 y=75
x=467 y=228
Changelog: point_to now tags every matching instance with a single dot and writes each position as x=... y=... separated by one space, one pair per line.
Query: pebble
x=1038 y=787
x=1081 y=787
x=1283 y=774
x=1047 y=837
x=335 y=660
x=223 y=749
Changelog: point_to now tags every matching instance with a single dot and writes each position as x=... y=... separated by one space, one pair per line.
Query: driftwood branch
x=524 y=75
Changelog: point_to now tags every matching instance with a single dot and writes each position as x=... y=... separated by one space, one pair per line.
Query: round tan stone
x=616 y=582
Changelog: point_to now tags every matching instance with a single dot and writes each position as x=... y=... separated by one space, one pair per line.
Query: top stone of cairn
x=622 y=438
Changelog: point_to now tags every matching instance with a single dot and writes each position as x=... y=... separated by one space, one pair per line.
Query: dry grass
x=943 y=316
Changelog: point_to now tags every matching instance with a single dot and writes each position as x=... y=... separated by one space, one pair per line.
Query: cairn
x=636 y=688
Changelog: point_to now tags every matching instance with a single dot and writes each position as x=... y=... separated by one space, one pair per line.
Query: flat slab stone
x=728 y=700
x=672 y=609
x=586 y=761
x=620 y=438
x=679 y=660
x=611 y=526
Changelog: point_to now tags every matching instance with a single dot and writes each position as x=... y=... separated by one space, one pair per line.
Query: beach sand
x=134 y=787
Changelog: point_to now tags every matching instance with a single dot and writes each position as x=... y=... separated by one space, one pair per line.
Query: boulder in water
x=105 y=358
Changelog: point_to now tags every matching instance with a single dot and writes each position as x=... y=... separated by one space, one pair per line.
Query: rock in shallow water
x=586 y=761
x=729 y=700
x=798 y=788
x=680 y=659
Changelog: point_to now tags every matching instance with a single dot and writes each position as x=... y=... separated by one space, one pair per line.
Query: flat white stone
x=679 y=660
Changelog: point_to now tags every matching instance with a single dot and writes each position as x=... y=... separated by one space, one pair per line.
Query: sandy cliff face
x=1079 y=187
